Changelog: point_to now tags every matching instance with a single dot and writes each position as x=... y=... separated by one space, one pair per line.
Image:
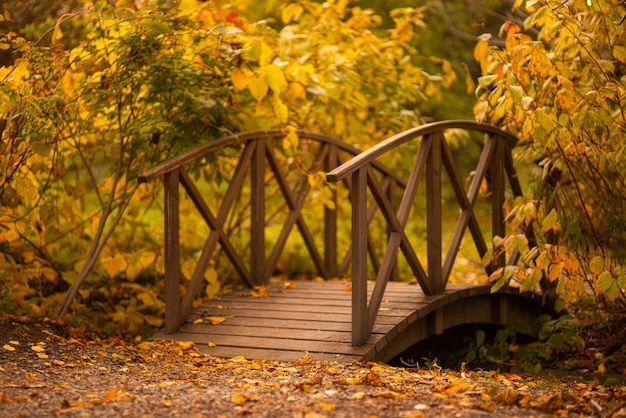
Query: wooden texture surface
x=314 y=319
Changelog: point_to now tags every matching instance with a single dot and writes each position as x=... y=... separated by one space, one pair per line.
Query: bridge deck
x=314 y=318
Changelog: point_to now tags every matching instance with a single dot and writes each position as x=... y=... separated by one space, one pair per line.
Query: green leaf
x=550 y=222
x=596 y=265
x=556 y=341
x=487 y=80
x=605 y=282
x=480 y=337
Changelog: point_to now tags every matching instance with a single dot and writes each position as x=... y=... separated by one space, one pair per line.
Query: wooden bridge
x=373 y=315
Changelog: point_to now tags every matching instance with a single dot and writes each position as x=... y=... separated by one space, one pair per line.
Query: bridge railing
x=495 y=164
x=259 y=167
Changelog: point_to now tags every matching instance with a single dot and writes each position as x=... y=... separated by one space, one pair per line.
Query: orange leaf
x=5 y=398
x=216 y=320
x=260 y=292
x=239 y=398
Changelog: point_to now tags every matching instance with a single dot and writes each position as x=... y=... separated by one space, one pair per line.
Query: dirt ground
x=44 y=373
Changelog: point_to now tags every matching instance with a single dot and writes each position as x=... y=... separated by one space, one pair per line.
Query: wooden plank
x=276 y=355
x=291 y=324
x=286 y=327
x=244 y=331
x=274 y=343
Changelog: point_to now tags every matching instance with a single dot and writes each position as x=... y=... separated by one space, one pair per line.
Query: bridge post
x=433 y=212
x=172 y=252
x=257 y=218
x=360 y=331
x=330 y=222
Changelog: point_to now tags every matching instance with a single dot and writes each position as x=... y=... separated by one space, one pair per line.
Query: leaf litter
x=101 y=378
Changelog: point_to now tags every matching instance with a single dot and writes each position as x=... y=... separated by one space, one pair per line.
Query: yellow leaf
x=187 y=7
x=258 y=88
x=327 y=406
x=198 y=321
x=481 y=50
x=167 y=402
x=114 y=265
x=274 y=77
x=294 y=92
x=216 y=320
x=257 y=50
x=290 y=13
x=260 y=292
x=37 y=348
x=57 y=34
x=145 y=346
x=240 y=78
x=239 y=398
x=42 y=355
x=185 y=345
x=8 y=347
x=211 y=344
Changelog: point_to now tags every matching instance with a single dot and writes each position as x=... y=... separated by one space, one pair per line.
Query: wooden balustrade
x=433 y=153
x=373 y=192
x=256 y=161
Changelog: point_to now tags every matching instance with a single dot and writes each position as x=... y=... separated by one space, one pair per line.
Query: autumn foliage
x=559 y=82
x=82 y=117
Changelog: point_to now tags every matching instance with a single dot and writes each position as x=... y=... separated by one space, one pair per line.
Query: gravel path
x=42 y=374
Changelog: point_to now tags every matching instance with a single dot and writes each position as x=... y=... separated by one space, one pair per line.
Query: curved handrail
x=236 y=139
x=370 y=155
x=432 y=156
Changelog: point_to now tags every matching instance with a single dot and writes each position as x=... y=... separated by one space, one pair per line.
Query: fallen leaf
x=239 y=398
x=290 y=285
x=347 y=287
x=37 y=348
x=387 y=394
x=145 y=346
x=358 y=395
x=167 y=402
x=198 y=321
x=210 y=344
x=8 y=347
x=327 y=406
x=216 y=320
x=260 y=292
x=31 y=376
x=507 y=396
x=185 y=345
x=5 y=398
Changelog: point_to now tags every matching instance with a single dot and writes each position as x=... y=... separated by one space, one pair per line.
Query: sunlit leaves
x=563 y=92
